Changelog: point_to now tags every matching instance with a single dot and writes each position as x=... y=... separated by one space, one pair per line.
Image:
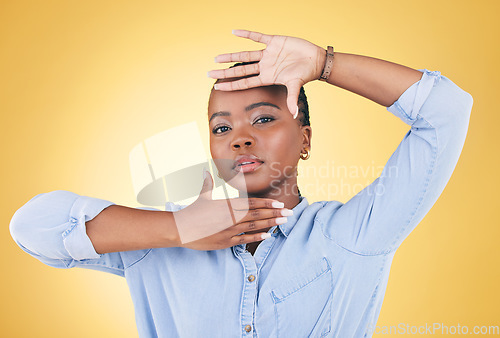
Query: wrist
x=171 y=236
x=328 y=65
x=320 y=62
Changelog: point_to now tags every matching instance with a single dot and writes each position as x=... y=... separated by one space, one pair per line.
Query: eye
x=220 y=129
x=264 y=119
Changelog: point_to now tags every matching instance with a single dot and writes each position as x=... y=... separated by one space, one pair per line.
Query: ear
x=306 y=136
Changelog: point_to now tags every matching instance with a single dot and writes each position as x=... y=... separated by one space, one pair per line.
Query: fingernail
x=266 y=235
x=205 y=173
x=208 y=74
x=216 y=86
x=278 y=204
x=234 y=30
x=281 y=220
x=286 y=212
x=296 y=113
x=215 y=59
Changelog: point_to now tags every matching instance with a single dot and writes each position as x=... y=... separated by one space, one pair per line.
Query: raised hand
x=216 y=224
x=286 y=60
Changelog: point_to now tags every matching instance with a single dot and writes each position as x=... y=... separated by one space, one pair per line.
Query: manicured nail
x=266 y=235
x=216 y=86
x=208 y=74
x=286 y=212
x=215 y=59
x=277 y=204
x=281 y=220
x=296 y=113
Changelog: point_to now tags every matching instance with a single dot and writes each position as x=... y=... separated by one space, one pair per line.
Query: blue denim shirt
x=322 y=274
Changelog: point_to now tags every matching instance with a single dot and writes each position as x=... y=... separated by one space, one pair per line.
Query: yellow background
x=82 y=82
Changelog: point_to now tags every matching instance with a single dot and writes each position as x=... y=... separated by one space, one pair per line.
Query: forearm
x=378 y=80
x=120 y=228
x=61 y=227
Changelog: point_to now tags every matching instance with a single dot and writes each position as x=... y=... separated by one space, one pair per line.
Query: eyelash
x=260 y=118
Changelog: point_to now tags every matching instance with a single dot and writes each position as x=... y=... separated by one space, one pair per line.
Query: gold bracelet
x=328 y=64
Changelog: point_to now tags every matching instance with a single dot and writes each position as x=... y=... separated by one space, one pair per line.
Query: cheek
x=284 y=145
x=219 y=153
x=215 y=147
x=287 y=139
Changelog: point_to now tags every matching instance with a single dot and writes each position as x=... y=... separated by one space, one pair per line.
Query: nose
x=242 y=139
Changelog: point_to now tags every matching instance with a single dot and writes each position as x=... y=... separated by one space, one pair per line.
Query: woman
x=274 y=265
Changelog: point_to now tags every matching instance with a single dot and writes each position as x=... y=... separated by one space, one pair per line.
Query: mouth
x=247 y=163
x=248 y=167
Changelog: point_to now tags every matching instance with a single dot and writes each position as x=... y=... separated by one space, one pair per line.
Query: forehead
x=225 y=100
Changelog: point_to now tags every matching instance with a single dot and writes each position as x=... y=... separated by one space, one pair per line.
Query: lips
x=246 y=163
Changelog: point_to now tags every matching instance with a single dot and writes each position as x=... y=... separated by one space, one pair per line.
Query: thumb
x=292 y=99
x=208 y=185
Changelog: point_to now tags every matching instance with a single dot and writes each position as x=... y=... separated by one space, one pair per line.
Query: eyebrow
x=250 y=107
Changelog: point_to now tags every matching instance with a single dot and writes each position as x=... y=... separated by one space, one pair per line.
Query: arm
x=293 y=62
x=206 y=224
x=379 y=217
x=63 y=229
x=383 y=214
x=51 y=228
x=120 y=228
x=378 y=80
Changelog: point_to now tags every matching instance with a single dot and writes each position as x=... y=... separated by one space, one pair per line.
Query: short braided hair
x=302 y=101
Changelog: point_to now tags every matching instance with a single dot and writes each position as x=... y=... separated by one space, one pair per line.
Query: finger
x=255 y=36
x=292 y=99
x=260 y=214
x=208 y=184
x=256 y=225
x=239 y=71
x=249 y=238
x=255 y=55
x=249 y=82
x=246 y=204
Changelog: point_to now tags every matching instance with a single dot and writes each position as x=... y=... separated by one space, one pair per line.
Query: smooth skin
x=277 y=140
x=290 y=62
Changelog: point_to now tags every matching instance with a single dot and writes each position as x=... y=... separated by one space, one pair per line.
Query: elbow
x=21 y=223
x=466 y=104
x=34 y=224
x=460 y=103
x=454 y=113
x=463 y=108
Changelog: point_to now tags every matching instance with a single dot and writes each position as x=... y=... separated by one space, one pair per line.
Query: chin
x=249 y=186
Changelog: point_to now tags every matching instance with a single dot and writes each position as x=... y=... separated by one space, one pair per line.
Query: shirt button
x=248 y=328
x=251 y=278
x=275 y=231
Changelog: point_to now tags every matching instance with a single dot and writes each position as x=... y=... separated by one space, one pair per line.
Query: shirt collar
x=287 y=227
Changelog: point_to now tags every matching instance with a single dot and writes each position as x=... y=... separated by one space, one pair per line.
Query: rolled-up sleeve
x=51 y=228
x=383 y=214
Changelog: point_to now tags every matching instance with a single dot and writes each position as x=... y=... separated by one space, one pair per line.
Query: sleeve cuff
x=75 y=238
x=409 y=103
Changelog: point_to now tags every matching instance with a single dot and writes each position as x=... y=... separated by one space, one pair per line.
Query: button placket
x=249 y=291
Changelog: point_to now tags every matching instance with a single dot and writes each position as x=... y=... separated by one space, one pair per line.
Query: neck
x=289 y=198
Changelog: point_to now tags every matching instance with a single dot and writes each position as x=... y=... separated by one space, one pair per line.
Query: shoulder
x=326 y=206
x=321 y=211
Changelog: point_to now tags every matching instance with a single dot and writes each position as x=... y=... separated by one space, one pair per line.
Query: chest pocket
x=302 y=305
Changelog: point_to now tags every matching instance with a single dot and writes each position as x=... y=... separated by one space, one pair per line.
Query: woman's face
x=254 y=136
